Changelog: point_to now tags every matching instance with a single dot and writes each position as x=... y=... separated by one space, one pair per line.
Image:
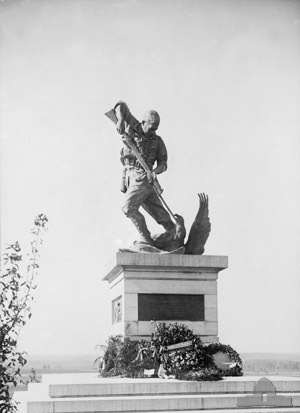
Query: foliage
x=204 y=374
x=127 y=358
x=192 y=359
x=179 y=360
x=15 y=310
x=166 y=334
x=99 y=362
x=112 y=360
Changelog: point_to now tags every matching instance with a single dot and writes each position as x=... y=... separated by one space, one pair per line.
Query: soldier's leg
x=155 y=208
x=134 y=198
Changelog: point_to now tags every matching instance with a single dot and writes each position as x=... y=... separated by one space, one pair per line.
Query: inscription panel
x=171 y=307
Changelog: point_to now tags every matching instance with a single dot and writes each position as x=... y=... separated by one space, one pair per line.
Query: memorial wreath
x=174 y=351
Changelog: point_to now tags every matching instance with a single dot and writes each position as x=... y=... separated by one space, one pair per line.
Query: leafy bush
x=15 y=311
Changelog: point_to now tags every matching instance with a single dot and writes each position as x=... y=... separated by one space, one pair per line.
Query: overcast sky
x=224 y=77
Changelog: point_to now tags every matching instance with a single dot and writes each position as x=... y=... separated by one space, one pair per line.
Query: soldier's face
x=149 y=127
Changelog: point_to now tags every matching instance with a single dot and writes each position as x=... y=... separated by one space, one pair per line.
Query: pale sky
x=224 y=77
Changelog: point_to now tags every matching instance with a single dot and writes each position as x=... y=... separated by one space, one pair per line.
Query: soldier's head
x=150 y=122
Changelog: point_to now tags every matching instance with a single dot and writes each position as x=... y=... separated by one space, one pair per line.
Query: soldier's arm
x=162 y=158
x=159 y=169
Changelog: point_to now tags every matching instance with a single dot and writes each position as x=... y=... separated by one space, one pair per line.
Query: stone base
x=79 y=393
x=164 y=288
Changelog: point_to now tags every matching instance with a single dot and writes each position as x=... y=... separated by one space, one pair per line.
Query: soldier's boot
x=139 y=222
x=169 y=225
x=166 y=239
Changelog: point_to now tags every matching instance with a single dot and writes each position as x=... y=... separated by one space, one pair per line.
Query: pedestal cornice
x=166 y=263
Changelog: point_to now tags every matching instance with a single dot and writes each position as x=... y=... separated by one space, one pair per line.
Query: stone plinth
x=164 y=287
x=84 y=393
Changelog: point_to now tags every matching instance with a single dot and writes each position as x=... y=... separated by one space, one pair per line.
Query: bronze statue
x=144 y=156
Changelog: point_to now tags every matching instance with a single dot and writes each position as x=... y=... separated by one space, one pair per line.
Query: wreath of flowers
x=195 y=363
x=214 y=348
x=191 y=362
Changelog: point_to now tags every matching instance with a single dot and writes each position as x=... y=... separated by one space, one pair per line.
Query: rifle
x=156 y=186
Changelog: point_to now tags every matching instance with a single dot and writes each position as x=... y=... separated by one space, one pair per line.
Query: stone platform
x=78 y=393
x=164 y=288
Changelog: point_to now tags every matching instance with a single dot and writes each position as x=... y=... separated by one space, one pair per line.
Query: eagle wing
x=200 y=229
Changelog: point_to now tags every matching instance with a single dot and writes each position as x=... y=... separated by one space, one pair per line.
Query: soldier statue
x=144 y=156
x=136 y=183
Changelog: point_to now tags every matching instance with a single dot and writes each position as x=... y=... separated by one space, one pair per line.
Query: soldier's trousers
x=143 y=194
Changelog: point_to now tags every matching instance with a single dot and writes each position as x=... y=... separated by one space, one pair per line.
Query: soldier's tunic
x=138 y=190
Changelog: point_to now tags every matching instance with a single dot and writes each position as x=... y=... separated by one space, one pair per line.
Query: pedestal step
x=87 y=393
x=149 y=403
x=141 y=387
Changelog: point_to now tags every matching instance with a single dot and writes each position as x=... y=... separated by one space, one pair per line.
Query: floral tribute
x=174 y=351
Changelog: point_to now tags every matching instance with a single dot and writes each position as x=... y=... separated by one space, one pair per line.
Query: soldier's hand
x=151 y=177
x=120 y=126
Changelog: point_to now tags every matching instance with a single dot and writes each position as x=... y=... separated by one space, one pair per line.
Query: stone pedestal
x=87 y=393
x=164 y=287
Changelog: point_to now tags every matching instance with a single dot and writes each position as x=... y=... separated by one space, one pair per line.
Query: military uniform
x=135 y=184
